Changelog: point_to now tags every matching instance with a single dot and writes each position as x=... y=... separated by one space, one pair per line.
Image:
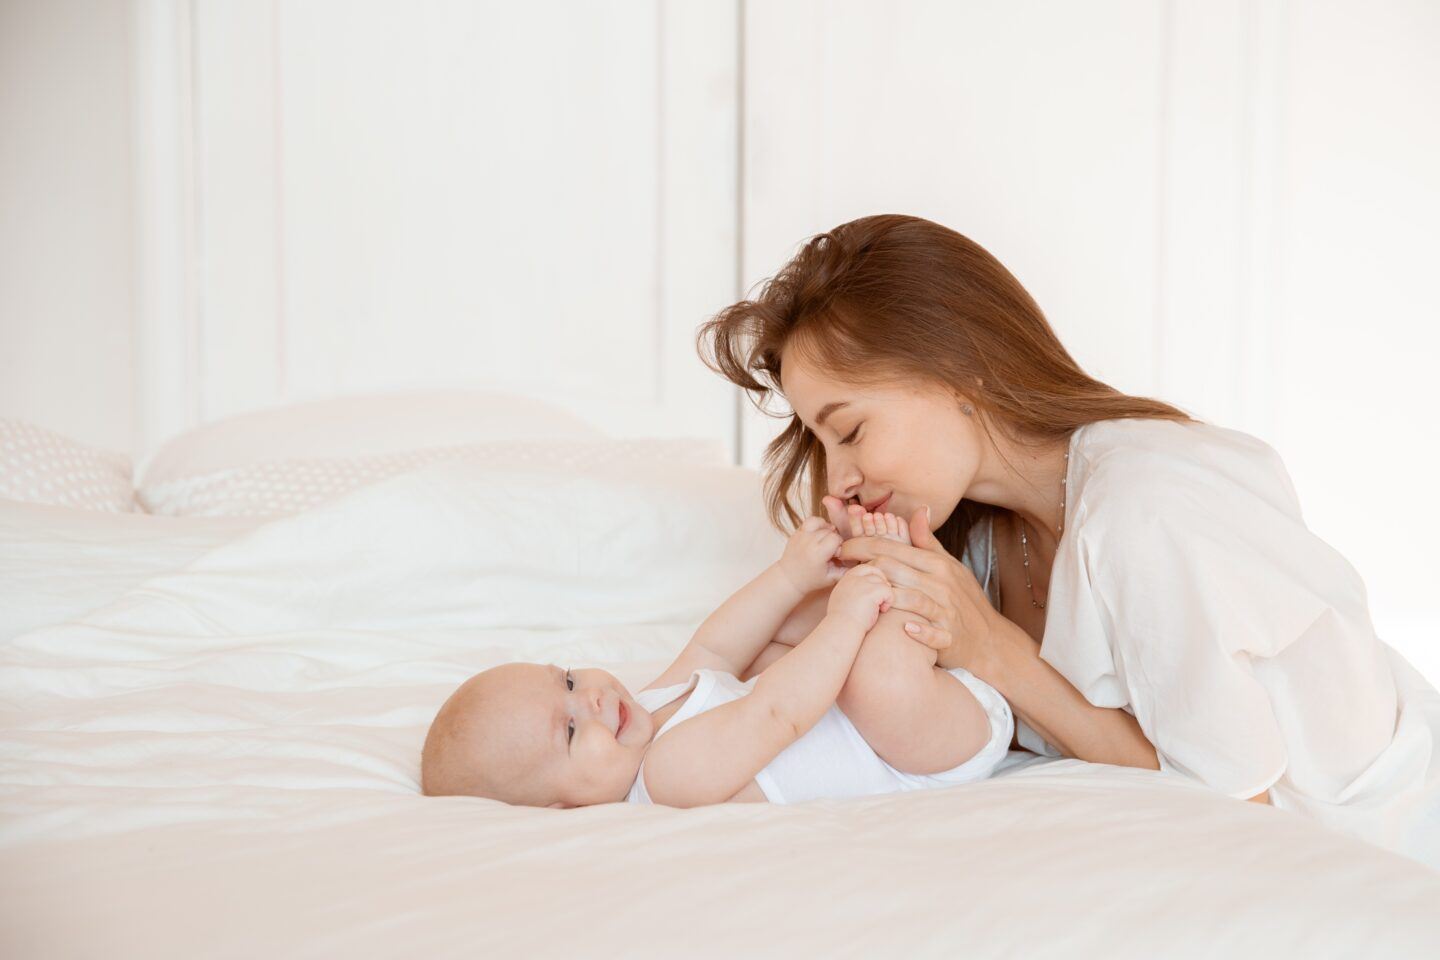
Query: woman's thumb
x=920 y=533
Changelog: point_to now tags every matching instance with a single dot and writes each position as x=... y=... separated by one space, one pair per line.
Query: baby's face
x=549 y=736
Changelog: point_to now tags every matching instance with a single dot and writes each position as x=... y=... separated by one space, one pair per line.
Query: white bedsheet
x=58 y=562
x=222 y=760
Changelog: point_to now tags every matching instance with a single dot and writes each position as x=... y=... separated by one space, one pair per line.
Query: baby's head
x=538 y=735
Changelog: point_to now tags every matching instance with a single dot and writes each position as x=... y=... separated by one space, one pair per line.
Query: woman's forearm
x=1055 y=710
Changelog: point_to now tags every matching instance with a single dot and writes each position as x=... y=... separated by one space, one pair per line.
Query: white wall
x=1228 y=205
x=536 y=197
x=66 y=220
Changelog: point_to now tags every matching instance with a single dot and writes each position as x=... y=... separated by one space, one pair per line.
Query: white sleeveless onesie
x=831 y=759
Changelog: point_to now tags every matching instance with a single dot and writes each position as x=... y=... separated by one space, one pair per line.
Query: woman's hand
x=929 y=582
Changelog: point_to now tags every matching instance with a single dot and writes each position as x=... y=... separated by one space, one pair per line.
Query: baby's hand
x=807 y=556
x=862 y=594
x=886 y=525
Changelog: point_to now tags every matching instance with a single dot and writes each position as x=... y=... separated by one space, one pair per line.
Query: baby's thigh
x=889 y=673
x=917 y=717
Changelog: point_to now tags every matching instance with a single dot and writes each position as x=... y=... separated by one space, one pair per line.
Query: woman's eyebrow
x=828 y=409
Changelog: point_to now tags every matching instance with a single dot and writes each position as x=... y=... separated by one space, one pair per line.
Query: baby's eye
x=569 y=683
x=570 y=734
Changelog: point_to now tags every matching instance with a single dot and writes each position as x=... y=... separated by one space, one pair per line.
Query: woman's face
x=910 y=443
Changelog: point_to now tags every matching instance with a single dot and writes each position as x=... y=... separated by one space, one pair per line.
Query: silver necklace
x=1035 y=602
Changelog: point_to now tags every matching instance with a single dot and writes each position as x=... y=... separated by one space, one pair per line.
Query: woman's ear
x=963 y=399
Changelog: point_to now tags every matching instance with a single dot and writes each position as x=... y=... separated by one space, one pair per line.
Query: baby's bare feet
x=888 y=525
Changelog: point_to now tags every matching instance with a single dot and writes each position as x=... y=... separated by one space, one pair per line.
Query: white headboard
x=354 y=196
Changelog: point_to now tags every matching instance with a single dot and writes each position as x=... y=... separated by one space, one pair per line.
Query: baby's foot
x=887 y=525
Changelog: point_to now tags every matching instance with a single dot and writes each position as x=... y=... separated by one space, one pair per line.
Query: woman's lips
x=881 y=505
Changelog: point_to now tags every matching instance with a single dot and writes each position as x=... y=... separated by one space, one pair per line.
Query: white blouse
x=1188 y=591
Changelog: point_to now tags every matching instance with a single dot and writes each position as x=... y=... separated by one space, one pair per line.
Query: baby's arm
x=711 y=756
x=741 y=627
x=803 y=617
x=734 y=634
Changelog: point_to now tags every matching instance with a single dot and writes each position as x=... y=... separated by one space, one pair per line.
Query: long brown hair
x=893 y=298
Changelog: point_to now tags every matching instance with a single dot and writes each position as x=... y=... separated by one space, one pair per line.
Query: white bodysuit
x=831 y=759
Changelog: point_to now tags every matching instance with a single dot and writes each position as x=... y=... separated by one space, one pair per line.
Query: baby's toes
x=890 y=529
x=885 y=525
x=857 y=529
x=869 y=522
x=902 y=531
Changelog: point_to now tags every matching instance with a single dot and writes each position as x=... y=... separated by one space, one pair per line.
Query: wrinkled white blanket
x=223 y=761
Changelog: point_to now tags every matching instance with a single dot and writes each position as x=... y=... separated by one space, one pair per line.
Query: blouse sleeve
x=1194 y=577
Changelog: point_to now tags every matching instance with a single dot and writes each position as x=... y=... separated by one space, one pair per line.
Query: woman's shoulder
x=1134 y=462
x=1159 y=440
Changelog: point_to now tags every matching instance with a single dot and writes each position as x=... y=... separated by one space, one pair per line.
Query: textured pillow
x=41 y=466
x=283 y=487
x=630 y=542
x=365 y=426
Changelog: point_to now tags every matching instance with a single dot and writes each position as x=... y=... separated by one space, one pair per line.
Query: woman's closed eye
x=851 y=437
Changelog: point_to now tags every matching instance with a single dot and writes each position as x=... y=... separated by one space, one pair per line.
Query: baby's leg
x=918 y=717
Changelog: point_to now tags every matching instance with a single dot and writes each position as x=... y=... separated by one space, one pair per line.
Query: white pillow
x=478 y=546
x=41 y=466
x=364 y=426
x=284 y=487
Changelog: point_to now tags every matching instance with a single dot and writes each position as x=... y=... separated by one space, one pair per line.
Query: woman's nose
x=843 y=480
x=845 y=486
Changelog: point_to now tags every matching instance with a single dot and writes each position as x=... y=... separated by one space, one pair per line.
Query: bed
x=210 y=731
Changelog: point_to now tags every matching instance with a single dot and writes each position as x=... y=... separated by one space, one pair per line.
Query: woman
x=1140 y=585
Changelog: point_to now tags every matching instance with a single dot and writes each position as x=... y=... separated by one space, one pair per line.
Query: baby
x=846 y=706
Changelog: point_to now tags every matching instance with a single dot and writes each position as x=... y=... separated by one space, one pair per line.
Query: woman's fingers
x=901 y=574
x=928 y=634
x=921 y=534
x=917 y=602
x=861 y=549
